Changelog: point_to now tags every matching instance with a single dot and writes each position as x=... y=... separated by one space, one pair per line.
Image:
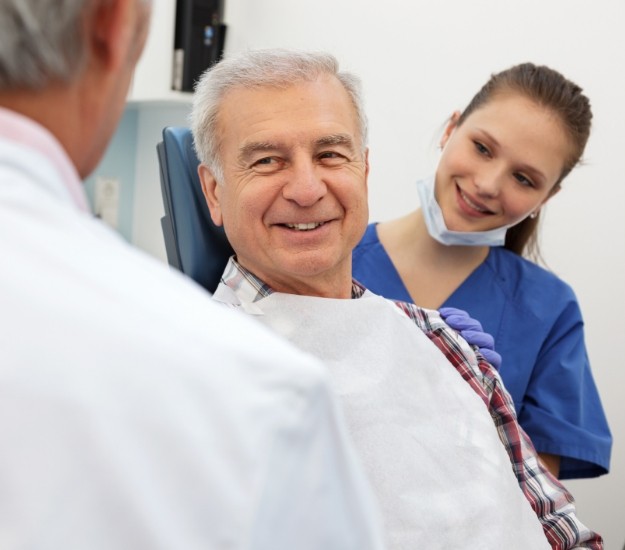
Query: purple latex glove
x=471 y=330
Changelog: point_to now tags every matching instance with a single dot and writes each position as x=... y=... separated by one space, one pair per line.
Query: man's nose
x=305 y=185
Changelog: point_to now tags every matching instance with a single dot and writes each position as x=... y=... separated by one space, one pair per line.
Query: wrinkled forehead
x=287 y=110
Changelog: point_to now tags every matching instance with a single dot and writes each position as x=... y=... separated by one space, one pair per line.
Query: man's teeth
x=303 y=226
x=473 y=205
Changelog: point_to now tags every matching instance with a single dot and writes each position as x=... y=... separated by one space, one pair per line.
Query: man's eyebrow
x=254 y=147
x=336 y=139
x=250 y=149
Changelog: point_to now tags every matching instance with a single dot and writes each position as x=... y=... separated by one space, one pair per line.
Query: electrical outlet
x=106 y=204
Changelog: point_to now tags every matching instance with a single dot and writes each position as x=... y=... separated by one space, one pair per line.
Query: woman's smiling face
x=501 y=164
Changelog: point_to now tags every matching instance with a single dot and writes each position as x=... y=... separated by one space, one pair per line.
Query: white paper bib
x=428 y=444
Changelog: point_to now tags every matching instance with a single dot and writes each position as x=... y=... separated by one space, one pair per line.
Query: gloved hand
x=471 y=330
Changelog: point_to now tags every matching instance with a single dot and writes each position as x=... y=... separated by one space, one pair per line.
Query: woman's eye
x=523 y=180
x=481 y=148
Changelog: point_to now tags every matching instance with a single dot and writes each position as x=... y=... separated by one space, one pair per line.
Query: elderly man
x=284 y=164
x=135 y=412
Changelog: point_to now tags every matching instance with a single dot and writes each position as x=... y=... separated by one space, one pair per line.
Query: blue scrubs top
x=539 y=332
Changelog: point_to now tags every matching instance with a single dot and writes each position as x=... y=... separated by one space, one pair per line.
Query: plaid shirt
x=551 y=502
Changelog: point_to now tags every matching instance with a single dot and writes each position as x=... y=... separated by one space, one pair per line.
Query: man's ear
x=452 y=124
x=111 y=26
x=212 y=192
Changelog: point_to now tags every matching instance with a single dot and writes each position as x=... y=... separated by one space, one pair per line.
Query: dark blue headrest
x=194 y=244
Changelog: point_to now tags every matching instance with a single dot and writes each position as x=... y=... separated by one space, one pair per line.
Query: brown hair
x=550 y=89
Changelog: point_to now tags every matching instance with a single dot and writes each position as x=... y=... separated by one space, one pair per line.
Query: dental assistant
x=502 y=159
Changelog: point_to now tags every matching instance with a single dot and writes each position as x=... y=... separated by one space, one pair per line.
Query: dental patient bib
x=429 y=446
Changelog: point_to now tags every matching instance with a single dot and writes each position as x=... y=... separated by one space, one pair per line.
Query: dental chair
x=193 y=243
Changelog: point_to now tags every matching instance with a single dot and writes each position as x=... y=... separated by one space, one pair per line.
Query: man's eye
x=266 y=164
x=331 y=158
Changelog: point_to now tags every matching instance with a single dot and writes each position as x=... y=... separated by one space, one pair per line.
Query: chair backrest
x=194 y=244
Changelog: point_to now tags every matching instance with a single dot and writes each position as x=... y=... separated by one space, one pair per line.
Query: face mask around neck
x=437 y=229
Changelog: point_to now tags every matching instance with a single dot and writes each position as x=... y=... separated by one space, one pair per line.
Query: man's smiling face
x=294 y=197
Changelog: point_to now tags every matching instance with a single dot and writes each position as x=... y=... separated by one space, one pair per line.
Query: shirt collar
x=24 y=131
x=249 y=288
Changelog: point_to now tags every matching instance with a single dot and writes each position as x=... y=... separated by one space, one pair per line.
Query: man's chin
x=311 y=275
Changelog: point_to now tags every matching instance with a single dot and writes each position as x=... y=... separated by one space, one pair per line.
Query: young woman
x=502 y=159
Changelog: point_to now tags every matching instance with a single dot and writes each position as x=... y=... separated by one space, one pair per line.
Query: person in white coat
x=134 y=411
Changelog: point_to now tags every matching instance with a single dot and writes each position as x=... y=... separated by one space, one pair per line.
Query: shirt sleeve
x=561 y=408
x=549 y=499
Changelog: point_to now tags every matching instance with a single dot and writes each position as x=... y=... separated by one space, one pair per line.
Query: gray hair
x=276 y=68
x=40 y=41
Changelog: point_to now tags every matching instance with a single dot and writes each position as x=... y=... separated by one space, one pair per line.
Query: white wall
x=421 y=60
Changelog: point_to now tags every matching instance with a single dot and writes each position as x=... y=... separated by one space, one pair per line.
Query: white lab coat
x=136 y=413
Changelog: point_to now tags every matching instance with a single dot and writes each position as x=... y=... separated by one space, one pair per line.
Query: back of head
x=276 y=68
x=41 y=42
x=552 y=91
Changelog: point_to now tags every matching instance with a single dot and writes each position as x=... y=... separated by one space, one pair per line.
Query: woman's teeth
x=473 y=205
